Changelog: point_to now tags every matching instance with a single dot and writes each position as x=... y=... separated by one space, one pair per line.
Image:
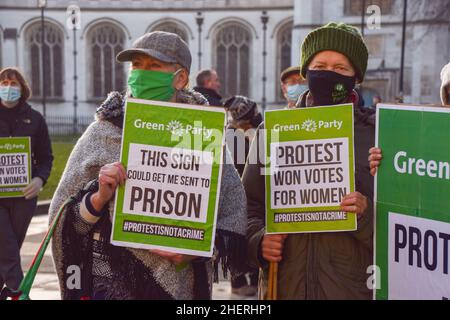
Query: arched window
x=232 y=59
x=52 y=48
x=105 y=42
x=172 y=27
x=284 y=46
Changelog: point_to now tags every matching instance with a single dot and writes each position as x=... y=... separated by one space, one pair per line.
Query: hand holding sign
x=374 y=159
x=32 y=190
x=175 y=258
x=311 y=170
x=109 y=178
x=272 y=247
x=354 y=202
x=173 y=170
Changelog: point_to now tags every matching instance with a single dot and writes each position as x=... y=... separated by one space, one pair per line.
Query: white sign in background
x=410 y=281
x=205 y=170
x=275 y=166
x=14 y=171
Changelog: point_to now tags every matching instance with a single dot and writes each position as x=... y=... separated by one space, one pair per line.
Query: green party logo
x=339 y=92
x=309 y=125
x=175 y=127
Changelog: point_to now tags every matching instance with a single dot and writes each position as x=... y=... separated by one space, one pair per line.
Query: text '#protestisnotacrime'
x=310 y=216
x=163 y=230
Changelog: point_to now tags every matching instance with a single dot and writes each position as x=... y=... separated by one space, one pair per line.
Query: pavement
x=46 y=286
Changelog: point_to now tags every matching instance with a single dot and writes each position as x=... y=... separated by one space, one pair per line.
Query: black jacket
x=27 y=122
x=212 y=96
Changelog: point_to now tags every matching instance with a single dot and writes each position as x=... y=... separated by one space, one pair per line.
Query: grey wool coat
x=100 y=145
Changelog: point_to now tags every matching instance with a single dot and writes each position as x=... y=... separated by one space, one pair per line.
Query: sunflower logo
x=309 y=125
x=339 y=87
x=339 y=92
x=175 y=127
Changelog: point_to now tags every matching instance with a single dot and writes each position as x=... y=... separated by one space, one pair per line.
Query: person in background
x=245 y=118
x=19 y=119
x=292 y=85
x=398 y=99
x=376 y=100
x=208 y=85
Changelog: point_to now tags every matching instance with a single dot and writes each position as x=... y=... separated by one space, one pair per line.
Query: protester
x=376 y=100
x=160 y=68
x=245 y=118
x=292 y=85
x=399 y=99
x=208 y=84
x=19 y=119
x=320 y=265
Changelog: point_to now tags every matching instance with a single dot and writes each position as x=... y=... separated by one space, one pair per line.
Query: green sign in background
x=423 y=134
x=10 y=145
x=164 y=114
x=298 y=116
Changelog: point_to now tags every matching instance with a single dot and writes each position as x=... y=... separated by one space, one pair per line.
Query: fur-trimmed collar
x=113 y=105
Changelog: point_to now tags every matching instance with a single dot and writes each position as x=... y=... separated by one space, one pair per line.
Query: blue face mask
x=10 y=93
x=294 y=91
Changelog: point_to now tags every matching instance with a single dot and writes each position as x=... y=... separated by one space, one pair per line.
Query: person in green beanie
x=328 y=265
x=334 y=59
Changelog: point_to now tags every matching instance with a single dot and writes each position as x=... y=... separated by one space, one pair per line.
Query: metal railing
x=65 y=125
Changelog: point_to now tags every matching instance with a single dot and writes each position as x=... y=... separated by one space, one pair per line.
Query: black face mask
x=329 y=87
x=256 y=120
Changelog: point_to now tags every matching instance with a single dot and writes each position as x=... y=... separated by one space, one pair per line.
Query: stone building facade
x=427 y=45
x=231 y=40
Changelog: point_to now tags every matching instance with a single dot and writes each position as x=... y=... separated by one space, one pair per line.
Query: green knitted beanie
x=339 y=37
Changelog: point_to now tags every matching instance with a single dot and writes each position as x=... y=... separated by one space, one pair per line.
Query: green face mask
x=151 y=85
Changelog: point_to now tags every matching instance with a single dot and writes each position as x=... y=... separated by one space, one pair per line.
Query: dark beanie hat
x=339 y=37
x=240 y=107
